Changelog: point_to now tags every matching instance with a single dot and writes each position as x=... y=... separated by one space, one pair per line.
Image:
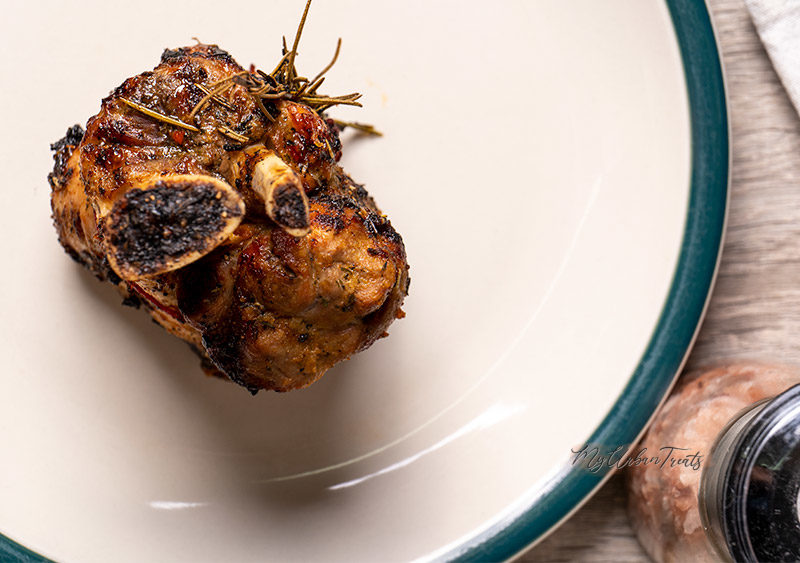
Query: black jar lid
x=761 y=484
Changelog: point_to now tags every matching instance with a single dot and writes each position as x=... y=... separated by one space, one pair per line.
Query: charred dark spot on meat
x=359 y=191
x=329 y=222
x=335 y=141
x=382 y=228
x=342 y=209
x=199 y=50
x=63 y=149
x=168 y=54
x=69 y=141
x=191 y=71
x=337 y=204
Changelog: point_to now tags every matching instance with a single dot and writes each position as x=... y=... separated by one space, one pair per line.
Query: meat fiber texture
x=237 y=231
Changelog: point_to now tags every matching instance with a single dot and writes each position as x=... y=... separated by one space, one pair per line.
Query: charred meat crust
x=63 y=149
x=200 y=50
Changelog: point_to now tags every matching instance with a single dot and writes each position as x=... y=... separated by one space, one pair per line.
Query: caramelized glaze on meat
x=273 y=287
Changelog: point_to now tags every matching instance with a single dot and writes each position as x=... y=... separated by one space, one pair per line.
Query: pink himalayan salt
x=662 y=500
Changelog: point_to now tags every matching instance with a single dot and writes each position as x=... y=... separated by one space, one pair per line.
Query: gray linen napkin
x=778 y=25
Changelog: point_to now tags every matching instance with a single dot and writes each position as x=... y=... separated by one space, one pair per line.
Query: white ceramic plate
x=558 y=171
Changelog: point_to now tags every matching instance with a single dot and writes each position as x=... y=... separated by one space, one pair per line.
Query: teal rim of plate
x=12 y=552
x=683 y=309
x=681 y=316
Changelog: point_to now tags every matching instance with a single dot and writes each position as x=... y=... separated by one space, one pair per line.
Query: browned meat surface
x=237 y=230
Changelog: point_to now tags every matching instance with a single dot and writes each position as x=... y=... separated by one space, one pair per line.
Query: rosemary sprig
x=156 y=115
x=284 y=83
x=263 y=109
x=360 y=127
x=219 y=99
x=314 y=84
x=215 y=92
x=228 y=132
x=293 y=53
x=227 y=78
x=324 y=100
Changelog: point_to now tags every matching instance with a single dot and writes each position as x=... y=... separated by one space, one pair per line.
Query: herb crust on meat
x=212 y=196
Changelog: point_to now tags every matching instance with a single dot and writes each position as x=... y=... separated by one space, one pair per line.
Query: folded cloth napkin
x=778 y=25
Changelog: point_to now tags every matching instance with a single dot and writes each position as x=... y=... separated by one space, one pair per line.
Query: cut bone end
x=170 y=223
x=285 y=200
x=288 y=207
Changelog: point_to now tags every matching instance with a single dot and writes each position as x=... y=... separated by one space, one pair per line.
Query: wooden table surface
x=754 y=311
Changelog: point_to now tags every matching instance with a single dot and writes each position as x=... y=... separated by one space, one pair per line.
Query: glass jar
x=741 y=428
x=749 y=489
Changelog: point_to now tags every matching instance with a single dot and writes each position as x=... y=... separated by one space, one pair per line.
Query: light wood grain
x=755 y=309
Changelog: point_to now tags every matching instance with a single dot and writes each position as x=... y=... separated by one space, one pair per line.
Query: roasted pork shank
x=212 y=196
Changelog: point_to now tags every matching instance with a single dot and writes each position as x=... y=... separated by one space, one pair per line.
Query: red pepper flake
x=178 y=135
